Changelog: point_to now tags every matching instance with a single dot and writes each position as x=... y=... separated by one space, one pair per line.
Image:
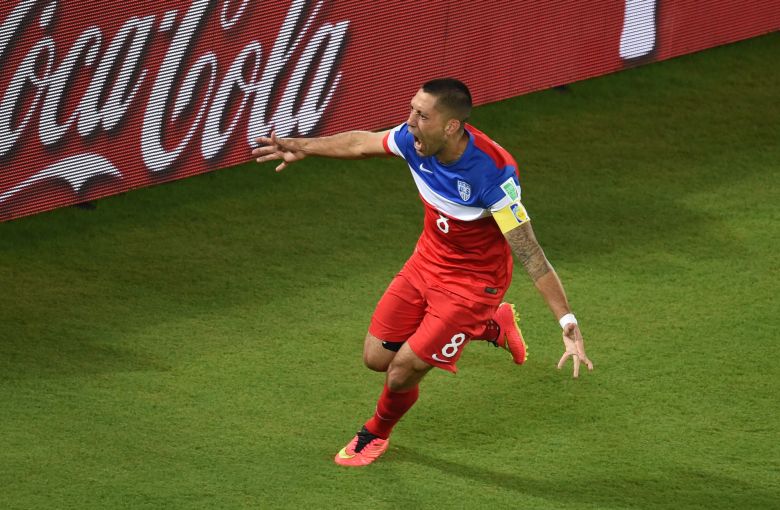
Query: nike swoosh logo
x=437 y=358
x=423 y=169
x=344 y=455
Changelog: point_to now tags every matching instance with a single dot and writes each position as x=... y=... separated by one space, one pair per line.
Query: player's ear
x=452 y=127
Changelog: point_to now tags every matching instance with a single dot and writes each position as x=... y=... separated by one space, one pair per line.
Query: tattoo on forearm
x=526 y=247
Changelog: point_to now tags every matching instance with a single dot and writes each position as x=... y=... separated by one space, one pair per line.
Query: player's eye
x=418 y=113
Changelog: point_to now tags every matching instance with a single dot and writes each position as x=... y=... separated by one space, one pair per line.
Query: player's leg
x=503 y=330
x=406 y=370
x=439 y=342
x=401 y=390
x=448 y=322
x=397 y=316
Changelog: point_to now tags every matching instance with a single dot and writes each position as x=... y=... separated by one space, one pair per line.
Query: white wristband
x=567 y=319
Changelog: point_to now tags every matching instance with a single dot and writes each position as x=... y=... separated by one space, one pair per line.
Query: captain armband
x=511 y=216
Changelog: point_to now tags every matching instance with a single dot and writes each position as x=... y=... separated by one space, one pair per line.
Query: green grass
x=197 y=344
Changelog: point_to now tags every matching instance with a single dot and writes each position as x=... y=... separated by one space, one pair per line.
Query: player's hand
x=575 y=349
x=274 y=147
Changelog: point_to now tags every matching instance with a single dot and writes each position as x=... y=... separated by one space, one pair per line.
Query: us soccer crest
x=464 y=189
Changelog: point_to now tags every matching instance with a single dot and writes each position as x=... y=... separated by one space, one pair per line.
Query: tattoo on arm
x=524 y=244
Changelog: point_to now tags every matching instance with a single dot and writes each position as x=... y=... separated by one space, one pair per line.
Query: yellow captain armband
x=511 y=216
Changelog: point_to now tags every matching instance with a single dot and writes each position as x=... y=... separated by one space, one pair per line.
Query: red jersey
x=462 y=249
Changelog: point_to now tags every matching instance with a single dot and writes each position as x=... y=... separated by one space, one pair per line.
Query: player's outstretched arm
x=348 y=145
x=525 y=246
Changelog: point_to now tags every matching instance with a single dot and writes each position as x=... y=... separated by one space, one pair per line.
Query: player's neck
x=452 y=152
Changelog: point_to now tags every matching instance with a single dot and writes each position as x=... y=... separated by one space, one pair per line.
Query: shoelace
x=364 y=437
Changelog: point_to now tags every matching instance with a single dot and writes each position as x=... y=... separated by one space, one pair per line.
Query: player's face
x=426 y=124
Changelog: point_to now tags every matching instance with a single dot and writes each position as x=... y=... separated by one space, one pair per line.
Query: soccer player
x=450 y=290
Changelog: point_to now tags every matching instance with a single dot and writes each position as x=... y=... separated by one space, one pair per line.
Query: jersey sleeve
x=398 y=140
x=504 y=202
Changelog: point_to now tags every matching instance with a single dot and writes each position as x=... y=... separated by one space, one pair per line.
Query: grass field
x=197 y=344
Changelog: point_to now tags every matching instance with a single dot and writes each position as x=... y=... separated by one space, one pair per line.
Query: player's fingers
x=267 y=157
x=589 y=364
x=563 y=359
x=583 y=357
x=281 y=167
x=265 y=149
x=576 y=365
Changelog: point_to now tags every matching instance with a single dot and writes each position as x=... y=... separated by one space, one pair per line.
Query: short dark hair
x=452 y=95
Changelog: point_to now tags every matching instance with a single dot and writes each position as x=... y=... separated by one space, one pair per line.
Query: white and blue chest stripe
x=468 y=190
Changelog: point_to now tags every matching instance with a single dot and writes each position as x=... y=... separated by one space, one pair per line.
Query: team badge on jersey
x=464 y=189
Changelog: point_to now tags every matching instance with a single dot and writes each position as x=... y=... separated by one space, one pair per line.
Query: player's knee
x=375 y=363
x=395 y=380
x=401 y=377
x=378 y=354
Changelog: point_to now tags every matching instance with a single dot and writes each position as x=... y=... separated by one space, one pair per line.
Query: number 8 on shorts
x=451 y=349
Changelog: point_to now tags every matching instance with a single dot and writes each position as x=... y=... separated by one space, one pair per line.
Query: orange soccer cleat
x=364 y=449
x=509 y=336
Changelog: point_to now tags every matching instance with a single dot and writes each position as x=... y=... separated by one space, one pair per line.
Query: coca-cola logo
x=196 y=100
x=97 y=98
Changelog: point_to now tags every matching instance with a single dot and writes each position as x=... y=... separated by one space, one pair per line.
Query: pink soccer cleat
x=509 y=336
x=364 y=449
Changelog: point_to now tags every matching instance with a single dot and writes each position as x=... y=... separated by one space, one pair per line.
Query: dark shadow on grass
x=70 y=356
x=680 y=489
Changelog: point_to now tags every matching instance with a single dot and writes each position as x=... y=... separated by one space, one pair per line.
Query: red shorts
x=437 y=323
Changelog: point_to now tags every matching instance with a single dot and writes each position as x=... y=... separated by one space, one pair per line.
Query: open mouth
x=417 y=144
